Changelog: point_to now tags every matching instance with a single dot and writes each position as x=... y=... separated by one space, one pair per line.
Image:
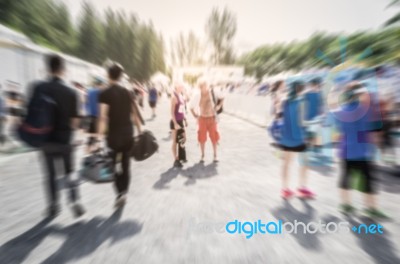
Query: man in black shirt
x=59 y=143
x=117 y=118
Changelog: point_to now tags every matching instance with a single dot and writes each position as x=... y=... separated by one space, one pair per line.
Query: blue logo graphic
x=249 y=229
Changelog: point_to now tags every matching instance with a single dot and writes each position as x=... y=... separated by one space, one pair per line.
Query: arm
x=136 y=121
x=193 y=104
x=173 y=105
x=102 y=120
x=195 y=115
x=75 y=120
x=221 y=103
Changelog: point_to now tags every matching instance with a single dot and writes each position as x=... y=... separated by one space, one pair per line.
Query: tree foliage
x=97 y=37
x=324 y=50
x=220 y=29
x=187 y=50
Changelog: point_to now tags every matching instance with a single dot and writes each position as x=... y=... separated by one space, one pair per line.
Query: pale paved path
x=174 y=216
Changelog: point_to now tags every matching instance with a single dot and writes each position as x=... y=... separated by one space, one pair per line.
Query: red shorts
x=208 y=124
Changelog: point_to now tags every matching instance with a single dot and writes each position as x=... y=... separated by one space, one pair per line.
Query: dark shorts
x=152 y=104
x=300 y=148
x=365 y=181
x=180 y=123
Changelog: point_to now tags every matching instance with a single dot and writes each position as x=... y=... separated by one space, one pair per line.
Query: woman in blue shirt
x=293 y=140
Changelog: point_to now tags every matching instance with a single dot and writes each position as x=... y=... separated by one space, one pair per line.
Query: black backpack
x=217 y=102
x=145 y=145
x=39 y=121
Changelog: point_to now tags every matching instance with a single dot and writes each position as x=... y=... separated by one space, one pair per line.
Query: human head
x=98 y=82
x=179 y=87
x=55 y=64
x=277 y=86
x=352 y=92
x=295 y=89
x=315 y=83
x=115 y=72
x=202 y=83
x=379 y=71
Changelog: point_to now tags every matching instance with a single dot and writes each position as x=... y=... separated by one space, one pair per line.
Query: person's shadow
x=199 y=171
x=81 y=239
x=17 y=249
x=287 y=213
x=193 y=173
x=165 y=178
x=378 y=246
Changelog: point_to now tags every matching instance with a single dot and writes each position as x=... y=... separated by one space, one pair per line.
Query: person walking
x=117 y=118
x=92 y=105
x=356 y=149
x=59 y=145
x=153 y=98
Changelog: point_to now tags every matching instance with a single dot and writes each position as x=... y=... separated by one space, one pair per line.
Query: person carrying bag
x=117 y=117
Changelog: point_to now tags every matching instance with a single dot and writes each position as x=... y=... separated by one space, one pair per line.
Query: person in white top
x=204 y=109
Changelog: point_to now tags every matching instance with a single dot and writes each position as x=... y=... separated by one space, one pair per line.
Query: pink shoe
x=305 y=193
x=286 y=194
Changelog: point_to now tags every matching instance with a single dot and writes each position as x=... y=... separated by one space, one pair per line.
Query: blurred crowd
x=351 y=115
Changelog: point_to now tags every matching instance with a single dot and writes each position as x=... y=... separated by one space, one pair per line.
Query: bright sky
x=259 y=21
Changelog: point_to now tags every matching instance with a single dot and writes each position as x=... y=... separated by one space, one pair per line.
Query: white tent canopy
x=160 y=78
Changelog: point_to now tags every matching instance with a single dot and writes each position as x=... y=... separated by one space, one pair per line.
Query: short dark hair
x=316 y=81
x=115 y=71
x=55 y=63
x=295 y=88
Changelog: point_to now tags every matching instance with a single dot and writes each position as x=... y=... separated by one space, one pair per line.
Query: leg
x=214 y=136
x=174 y=144
x=287 y=155
x=369 y=197
x=202 y=147
x=303 y=170
x=72 y=185
x=344 y=182
x=51 y=179
x=126 y=172
x=117 y=174
x=202 y=136
x=215 y=145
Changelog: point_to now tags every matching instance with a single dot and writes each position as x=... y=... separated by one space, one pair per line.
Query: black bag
x=181 y=139
x=144 y=146
x=98 y=167
x=39 y=121
x=217 y=102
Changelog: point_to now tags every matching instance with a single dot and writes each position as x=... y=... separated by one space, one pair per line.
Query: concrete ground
x=179 y=216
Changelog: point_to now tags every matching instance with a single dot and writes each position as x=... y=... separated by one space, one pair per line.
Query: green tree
x=396 y=18
x=90 y=35
x=220 y=29
x=187 y=50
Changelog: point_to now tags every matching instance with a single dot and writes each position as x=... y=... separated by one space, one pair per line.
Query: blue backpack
x=39 y=121
x=275 y=129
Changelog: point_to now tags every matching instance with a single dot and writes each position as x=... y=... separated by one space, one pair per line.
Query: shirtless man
x=204 y=110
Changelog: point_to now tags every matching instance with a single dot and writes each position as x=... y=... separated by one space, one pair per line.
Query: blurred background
x=242 y=48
